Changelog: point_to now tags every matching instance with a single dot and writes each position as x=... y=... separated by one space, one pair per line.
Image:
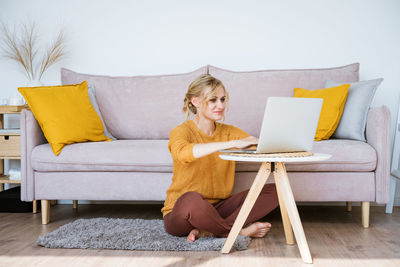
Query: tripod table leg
x=254 y=192
x=287 y=227
x=286 y=193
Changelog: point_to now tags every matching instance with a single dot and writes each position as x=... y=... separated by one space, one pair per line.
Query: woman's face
x=215 y=107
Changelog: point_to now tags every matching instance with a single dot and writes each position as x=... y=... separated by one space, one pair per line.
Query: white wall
x=158 y=37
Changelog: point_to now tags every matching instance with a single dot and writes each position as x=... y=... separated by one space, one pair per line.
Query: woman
x=200 y=198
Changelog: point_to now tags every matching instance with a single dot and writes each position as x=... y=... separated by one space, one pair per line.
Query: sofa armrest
x=31 y=136
x=378 y=136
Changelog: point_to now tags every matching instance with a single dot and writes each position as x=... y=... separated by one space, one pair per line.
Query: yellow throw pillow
x=334 y=99
x=65 y=114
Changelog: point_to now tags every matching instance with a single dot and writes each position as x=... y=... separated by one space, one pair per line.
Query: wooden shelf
x=4 y=179
x=9 y=143
x=10 y=157
x=10 y=131
x=12 y=109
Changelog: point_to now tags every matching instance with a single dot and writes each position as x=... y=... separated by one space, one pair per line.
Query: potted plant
x=21 y=46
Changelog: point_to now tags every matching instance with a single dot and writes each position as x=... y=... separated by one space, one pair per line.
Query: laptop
x=289 y=125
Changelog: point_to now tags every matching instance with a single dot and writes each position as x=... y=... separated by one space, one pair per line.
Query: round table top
x=242 y=157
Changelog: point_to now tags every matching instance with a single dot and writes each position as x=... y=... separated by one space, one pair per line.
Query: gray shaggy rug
x=129 y=234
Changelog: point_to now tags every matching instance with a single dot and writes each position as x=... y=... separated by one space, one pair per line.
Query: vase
x=29 y=83
x=17 y=100
x=34 y=83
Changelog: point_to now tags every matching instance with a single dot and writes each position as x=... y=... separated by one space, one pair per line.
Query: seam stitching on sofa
x=138 y=76
x=26 y=156
x=127 y=164
x=294 y=70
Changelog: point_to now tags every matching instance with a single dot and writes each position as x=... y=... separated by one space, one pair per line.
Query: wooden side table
x=290 y=215
x=10 y=146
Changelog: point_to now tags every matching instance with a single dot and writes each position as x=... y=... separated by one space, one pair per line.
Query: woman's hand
x=201 y=150
x=245 y=142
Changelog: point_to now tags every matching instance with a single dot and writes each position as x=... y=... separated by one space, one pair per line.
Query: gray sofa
x=140 y=111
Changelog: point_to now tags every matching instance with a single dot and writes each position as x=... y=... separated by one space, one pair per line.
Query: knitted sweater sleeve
x=236 y=133
x=180 y=146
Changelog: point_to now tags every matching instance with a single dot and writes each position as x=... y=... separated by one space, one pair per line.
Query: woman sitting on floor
x=200 y=196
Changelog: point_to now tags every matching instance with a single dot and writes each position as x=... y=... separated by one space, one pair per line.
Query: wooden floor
x=335 y=237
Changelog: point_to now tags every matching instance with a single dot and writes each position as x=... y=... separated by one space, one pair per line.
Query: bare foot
x=257 y=229
x=196 y=233
x=192 y=235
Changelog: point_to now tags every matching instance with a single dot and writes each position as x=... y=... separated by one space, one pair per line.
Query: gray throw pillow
x=92 y=97
x=354 y=118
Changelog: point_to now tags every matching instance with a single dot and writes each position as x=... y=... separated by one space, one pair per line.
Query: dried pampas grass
x=20 y=45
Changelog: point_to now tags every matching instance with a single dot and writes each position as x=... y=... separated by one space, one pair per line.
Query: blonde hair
x=197 y=88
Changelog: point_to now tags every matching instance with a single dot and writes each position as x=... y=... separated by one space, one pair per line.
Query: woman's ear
x=196 y=102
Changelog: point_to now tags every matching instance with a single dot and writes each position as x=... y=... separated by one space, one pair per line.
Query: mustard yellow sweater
x=210 y=176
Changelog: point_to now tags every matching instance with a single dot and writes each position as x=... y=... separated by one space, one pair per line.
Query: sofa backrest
x=138 y=107
x=149 y=107
x=248 y=91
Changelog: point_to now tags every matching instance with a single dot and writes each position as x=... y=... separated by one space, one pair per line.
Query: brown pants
x=192 y=211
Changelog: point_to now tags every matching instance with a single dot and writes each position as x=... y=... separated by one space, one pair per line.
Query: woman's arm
x=201 y=150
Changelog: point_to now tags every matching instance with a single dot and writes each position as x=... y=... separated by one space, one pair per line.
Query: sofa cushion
x=92 y=97
x=334 y=99
x=65 y=114
x=119 y=155
x=153 y=156
x=257 y=86
x=138 y=107
x=354 y=118
x=347 y=155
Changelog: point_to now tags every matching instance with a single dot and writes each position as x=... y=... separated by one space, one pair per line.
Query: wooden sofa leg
x=34 y=206
x=365 y=213
x=45 y=211
x=348 y=206
x=74 y=204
